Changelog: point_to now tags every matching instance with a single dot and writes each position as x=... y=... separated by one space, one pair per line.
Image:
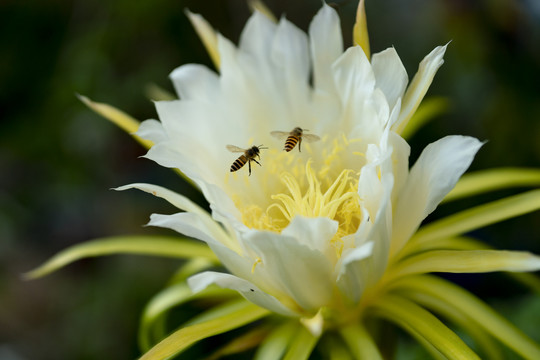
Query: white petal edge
x=352 y=277
x=183 y=203
x=390 y=75
x=419 y=86
x=152 y=130
x=315 y=233
x=195 y=82
x=188 y=224
x=353 y=74
x=326 y=46
x=248 y=290
x=434 y=175
x=305 y=274
x=257 y=36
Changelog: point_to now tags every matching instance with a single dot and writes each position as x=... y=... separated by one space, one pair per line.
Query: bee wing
x=233 y=148
x=310 y=137
x=280 y=134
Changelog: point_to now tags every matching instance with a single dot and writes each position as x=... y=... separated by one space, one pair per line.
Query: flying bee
x=248 y=156
x=294 y=137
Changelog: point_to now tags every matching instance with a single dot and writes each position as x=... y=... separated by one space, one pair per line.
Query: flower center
x=305 y=194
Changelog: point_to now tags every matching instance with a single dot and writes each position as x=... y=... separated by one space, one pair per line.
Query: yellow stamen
x=338 y=201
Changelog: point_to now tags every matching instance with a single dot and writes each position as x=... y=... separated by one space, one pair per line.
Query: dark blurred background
x=58 y=159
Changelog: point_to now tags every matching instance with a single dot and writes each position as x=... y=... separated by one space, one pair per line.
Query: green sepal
x=481 y=338
x=477 y=217
x=225 y=318
x=302 y=345
x=360 y=342
x=151 y=328
x=477 y=311
x=277 y=342
x=166 y=246
x=428 y=109
x=484 y=181
x=414 y=318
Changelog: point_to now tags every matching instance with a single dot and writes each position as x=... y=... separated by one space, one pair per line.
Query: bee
x=294 y=137
x=248 y=156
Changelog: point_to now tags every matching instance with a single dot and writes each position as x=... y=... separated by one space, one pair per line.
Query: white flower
x=328 y=236
x=312 y=229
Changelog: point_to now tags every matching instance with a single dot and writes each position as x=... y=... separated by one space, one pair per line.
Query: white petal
x=353 y=74
x=290 y=52
x=306 y=274
x=400 y=160
x=355 y=84
x=315 y=233
x=390 y=74
x=188 y=224
x=434 y=174
x=380 y=215
x=248 y=290
x=195 y=82
x=242 y=265
x=180 y=201
x=291 y=68
x=257 y=36
x=419 y=86
x=353 y=274
x=185 y=121
x=183 y=203
x=168 y=154
x=152 y=130
x=326 y=46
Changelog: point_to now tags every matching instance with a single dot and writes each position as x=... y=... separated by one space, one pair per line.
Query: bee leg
x=257 y=162
x=300 y=145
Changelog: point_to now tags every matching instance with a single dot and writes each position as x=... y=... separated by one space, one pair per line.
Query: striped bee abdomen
x=291 y=142
x=237 y=165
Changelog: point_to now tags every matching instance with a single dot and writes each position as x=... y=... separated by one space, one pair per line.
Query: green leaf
x=163 y=302
x=233 y=315
x=478 y=217
x=275 y=344
x=412 y=317
x=360 y=342
x=429 y=109
x=302 y=345
x=494 y=179
x=166 y=246
x=463 y=302
x=464 y=261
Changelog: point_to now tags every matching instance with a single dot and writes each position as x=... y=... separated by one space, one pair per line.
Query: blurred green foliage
x=58 y=159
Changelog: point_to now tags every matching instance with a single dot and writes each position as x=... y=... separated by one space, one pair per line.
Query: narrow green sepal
x=166 y=246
